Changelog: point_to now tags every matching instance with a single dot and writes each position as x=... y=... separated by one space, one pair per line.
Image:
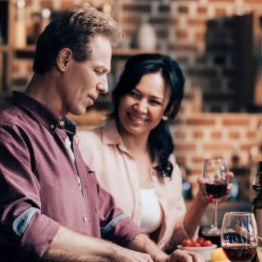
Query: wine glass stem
x=214 y=224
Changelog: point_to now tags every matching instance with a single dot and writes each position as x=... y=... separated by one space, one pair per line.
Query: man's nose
x=103 y=86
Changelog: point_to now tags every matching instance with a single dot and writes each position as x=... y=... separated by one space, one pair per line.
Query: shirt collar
x=42 y=114
x=111 y=136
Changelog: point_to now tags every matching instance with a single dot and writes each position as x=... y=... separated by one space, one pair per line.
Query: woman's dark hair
x=160 y=140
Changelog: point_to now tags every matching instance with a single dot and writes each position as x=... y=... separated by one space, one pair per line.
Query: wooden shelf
x=4 y=48
x=131 y=51
x=91 y=118
x=116 y=52
x=28 y=48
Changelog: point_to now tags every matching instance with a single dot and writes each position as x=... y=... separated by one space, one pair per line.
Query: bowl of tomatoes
x=201 y=246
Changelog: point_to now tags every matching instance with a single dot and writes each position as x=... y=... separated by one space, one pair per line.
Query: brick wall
x=201 y=135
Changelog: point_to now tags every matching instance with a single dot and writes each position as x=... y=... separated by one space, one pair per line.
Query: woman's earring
x=164 y=118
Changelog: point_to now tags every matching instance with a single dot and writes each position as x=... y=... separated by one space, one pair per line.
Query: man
x=51 y=207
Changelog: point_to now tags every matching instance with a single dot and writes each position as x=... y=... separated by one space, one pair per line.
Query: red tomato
x=200 y=240
x=186 y=242
x=195 y=244
x=207 y=243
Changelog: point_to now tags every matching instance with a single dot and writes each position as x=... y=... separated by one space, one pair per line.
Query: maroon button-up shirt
x=39 y=188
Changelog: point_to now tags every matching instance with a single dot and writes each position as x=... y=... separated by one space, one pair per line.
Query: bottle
x=257 y=202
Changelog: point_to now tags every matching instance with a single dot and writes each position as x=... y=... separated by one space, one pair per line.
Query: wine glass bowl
x=214 y=182
x=214 y=177
x=239 y=236
x=216 y=190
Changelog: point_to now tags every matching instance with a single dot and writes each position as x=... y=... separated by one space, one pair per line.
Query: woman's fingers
x=202 y=193
x=196 y=257
x=229 y=175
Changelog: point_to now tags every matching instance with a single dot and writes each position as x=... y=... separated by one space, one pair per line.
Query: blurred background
x=218 y=44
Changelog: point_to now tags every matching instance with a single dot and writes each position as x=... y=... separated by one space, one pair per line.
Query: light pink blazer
x=104 y=152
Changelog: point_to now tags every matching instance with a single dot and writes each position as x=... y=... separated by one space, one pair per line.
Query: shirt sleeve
x=20 y=203
x=115 y=224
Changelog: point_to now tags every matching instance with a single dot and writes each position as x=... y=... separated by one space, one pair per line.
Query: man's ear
x=63 y=59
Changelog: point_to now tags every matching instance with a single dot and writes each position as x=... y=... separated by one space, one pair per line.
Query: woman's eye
x=155 y=102
x=134 y=94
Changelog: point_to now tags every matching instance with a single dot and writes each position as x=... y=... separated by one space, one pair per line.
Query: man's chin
x=79 y=111
x=90 y=106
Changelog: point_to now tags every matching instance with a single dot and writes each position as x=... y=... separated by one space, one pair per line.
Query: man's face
x=83 y=81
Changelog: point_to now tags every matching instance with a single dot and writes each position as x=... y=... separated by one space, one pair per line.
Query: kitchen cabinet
x=233 y=44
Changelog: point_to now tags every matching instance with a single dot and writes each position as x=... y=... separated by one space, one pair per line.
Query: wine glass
x=214 y=181
x=239 y=236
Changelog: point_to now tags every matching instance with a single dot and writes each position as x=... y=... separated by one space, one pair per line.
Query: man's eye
x=98 y=72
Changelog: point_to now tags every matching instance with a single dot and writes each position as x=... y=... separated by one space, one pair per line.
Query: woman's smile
x=136 y=119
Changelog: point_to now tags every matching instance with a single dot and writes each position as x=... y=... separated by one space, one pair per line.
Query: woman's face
x=142 y=109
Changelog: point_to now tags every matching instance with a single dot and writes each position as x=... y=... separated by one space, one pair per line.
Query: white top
x=151 y=211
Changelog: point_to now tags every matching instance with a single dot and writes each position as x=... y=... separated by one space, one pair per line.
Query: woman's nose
x=141 y=106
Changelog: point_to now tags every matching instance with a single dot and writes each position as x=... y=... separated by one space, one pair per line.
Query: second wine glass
x=214 y=181
x=239 y=236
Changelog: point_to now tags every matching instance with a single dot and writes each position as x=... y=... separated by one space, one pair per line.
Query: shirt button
x=61 y=123
x=85 y=219
x=52 y=126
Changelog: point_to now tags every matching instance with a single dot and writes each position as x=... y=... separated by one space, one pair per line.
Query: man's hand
x=128 y=255
x=185 y=256
x=143 y=244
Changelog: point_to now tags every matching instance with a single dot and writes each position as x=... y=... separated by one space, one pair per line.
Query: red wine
x=239 y=252
x=216 y=190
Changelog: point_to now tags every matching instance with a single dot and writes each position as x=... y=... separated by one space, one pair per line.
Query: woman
x=132 y=154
